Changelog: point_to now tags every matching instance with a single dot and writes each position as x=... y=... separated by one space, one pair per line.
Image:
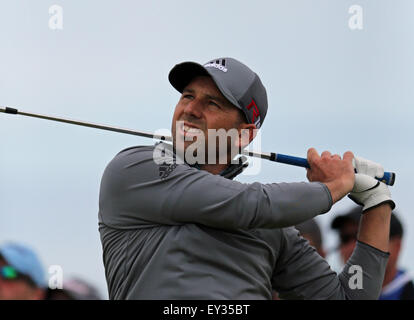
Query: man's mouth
x=189 y=130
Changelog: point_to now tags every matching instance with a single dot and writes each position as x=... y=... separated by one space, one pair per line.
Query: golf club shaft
x=86 y=124
x=388 y=178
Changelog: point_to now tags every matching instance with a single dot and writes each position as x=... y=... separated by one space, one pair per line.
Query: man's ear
x=247 y=132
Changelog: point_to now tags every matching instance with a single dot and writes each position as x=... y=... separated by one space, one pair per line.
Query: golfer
x=175 y=225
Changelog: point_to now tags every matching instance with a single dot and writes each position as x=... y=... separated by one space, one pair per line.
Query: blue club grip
x=388 y=178
x=295 y=161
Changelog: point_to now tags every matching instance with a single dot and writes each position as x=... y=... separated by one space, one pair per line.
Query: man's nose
x=194 y=108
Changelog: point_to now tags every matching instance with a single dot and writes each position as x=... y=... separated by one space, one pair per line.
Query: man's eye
x=214 y=104
x=187 y=96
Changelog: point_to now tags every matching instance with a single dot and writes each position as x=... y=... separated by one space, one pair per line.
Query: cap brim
x=182 y=74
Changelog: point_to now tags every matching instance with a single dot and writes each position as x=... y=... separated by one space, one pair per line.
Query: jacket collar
x=230 y=172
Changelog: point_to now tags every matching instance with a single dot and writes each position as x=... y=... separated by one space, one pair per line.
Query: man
x=175 y=228
x=21 y=273
x=398 y=284
x=310 y=231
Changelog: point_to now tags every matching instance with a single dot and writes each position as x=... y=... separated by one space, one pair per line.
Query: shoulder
x=158 y=153
x=135 y=152
x=141 y=164
x=128 y=163
x=139 y=156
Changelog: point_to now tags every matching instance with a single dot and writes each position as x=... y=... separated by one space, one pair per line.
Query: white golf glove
x=369 y=192
x=368 y=167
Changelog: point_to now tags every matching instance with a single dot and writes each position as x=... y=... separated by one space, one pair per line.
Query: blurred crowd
x=23 y=277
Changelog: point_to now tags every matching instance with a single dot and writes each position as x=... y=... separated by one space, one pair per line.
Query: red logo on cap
x=255 y=110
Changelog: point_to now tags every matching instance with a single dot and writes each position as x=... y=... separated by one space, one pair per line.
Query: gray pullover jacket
x=171 y=231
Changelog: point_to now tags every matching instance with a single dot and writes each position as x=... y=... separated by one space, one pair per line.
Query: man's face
x=17 y=289
x=200 y=108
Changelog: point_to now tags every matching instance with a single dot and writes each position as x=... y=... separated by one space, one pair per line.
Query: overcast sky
x=329 y=87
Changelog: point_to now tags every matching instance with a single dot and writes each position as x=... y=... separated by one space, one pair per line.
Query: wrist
x=336 y=189
x=375 y=227
x=384 y=207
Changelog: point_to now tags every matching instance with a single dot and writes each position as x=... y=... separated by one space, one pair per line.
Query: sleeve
x=137 y=192
x=301 y=273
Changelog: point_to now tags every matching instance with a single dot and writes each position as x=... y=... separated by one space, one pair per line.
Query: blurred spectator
x=310 y=231
x=22 y=277
x=398 y=284
x=74 y=289
x=347 y=227
x=21 y=273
